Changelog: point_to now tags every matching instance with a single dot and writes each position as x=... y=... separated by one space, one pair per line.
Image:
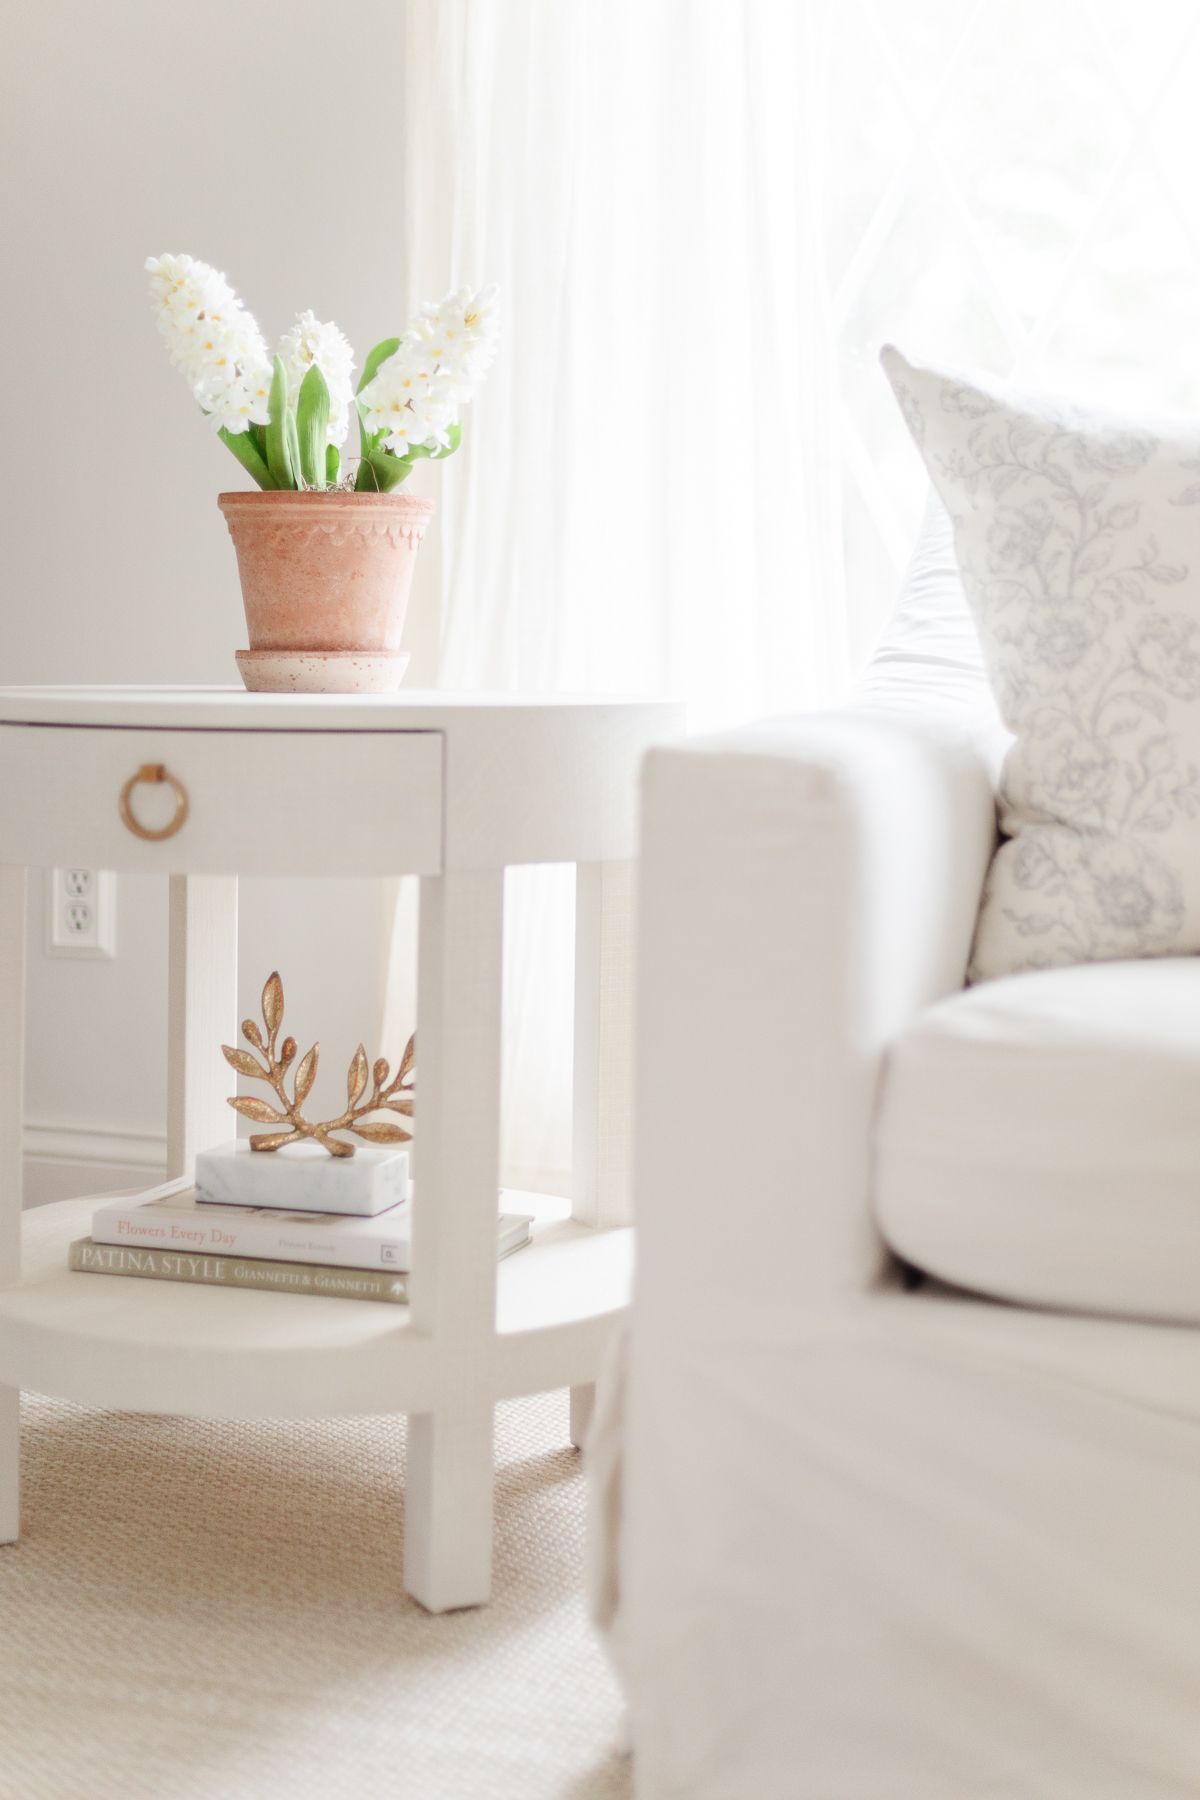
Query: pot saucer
x=321 y=671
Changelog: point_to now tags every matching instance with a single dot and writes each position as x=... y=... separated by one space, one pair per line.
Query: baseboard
x=64 y=1160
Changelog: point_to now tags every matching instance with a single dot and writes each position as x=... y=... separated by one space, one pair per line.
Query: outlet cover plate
x=81 y=913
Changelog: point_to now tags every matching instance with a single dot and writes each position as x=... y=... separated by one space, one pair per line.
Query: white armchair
x=882 y=1541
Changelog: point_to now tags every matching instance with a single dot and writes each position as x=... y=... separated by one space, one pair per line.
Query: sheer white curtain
x=685 y=474
x=647 y=500
x=646 y=489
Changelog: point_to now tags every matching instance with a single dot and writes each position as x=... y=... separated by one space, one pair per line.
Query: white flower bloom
x=418 y=393
x=410 y=402
x=436 y=410
x=212 y=339
x=459 y=335
x=180 y=281
x=396 y=381
x=237 y=404
x=309 y=342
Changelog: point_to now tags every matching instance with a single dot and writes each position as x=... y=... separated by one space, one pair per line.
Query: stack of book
x=178 y=1233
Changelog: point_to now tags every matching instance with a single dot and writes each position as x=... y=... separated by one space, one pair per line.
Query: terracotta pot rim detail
x=310 y=500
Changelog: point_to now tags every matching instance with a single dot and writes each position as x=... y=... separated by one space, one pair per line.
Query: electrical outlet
x=81 y=913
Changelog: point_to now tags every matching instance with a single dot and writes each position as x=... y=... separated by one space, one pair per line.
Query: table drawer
x=257 y=802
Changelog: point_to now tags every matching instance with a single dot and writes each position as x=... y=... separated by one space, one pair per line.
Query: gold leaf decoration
x=306 y=1074
x=272 y=1003
x=273 y=1069
x=406 y=1063
x=270 y=1140
x=256 y=1109
x=381 y=1133
x=356 y=1080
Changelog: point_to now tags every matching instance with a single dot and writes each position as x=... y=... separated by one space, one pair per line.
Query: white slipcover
x=872 y=1545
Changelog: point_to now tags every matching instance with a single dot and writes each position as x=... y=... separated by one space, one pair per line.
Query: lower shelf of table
x=151 y=1346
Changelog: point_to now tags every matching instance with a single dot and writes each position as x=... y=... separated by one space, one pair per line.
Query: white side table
x=450 y=790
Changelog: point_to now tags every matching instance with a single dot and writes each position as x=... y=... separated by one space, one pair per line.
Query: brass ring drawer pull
x=154 y=772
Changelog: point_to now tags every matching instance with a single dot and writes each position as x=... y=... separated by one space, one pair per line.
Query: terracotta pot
x=325 y=583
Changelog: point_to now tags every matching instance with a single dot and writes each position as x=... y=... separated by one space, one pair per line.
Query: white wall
x=261 y=138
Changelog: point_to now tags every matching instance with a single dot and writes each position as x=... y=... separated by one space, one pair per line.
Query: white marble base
x=304 y=1178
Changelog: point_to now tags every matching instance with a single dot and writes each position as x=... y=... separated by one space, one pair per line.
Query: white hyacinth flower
x=418 y=393
x=410 y=402
x=212 y=339
x=237 y=404
x=459 y=335
x=308 y=342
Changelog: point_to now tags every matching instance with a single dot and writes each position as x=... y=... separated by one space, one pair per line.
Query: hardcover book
x=175 y=1218
x=88 y=1257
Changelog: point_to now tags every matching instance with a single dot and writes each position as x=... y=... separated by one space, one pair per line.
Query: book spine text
x=89 y=1257
x=191 y=1232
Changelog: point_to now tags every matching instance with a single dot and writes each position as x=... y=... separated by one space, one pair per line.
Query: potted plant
x=325 y=554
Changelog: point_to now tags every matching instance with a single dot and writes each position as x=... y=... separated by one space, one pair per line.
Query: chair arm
x=806 y=887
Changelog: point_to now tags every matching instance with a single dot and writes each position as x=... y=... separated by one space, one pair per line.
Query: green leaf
x=293 y=444
x=246 y=451
x=312 y=421
x=333 y=465
x=279 y=459
x=454 y=433
x=368 y=441
x=379 y=354
x=379 y=472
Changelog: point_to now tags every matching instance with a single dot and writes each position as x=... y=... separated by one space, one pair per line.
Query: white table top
x=515 y=779
x=233 y=709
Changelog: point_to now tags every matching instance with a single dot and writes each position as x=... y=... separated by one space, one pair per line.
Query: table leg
x=448 y=1515
x=604 y=937
x=202 y=1015
x=10 y=1465
x=12 y=1122
x=448 y=1504
x=583 y=1402
x=604 y=929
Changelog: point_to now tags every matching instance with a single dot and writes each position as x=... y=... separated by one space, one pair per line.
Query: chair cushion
x=1039 y=1139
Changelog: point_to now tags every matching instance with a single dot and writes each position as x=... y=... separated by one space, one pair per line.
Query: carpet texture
x=214 y=1611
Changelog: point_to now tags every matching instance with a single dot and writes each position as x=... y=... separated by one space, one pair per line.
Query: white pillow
x=1078 y=536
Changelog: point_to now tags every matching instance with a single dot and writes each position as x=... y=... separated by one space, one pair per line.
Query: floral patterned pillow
x=1078 y=537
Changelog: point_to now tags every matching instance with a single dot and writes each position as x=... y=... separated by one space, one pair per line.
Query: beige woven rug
x=214 y=1611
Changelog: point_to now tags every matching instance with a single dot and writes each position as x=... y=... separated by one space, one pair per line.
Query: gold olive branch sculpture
x=395 y=1095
